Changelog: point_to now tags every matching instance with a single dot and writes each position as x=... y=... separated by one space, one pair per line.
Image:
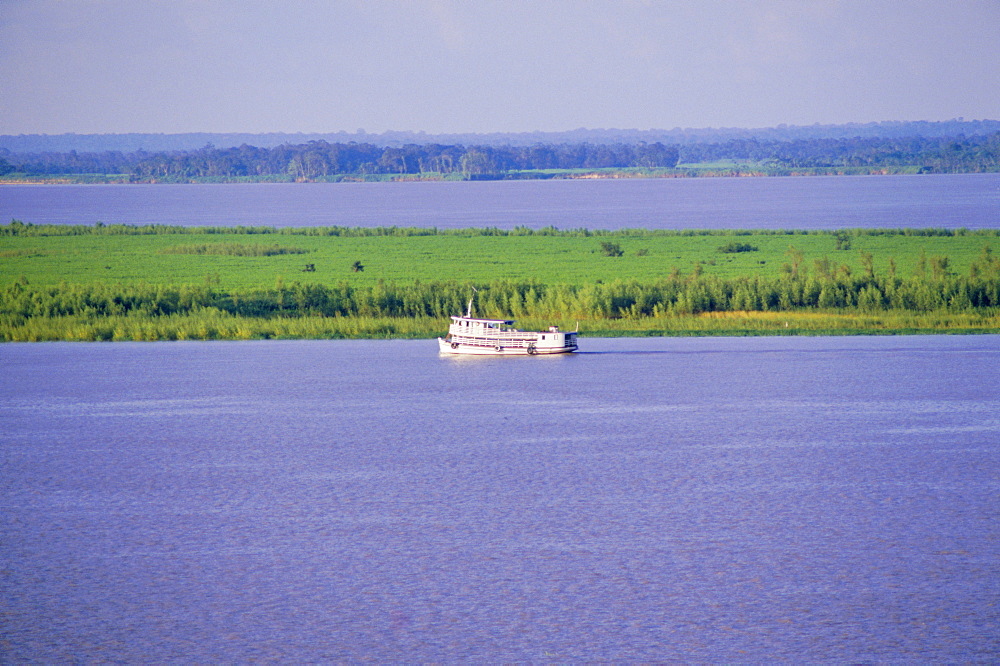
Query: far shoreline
x=683 y=172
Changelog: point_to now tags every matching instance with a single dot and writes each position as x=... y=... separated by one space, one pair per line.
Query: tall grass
x=679 y=305
x=212 y=324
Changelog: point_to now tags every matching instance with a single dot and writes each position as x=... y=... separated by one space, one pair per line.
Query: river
x=837 y=202
x=664 y=499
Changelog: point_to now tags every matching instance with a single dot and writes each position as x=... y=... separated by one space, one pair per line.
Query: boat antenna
x=468 y=312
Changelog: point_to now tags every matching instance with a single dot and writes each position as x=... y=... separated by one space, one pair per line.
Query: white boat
x=498 y=337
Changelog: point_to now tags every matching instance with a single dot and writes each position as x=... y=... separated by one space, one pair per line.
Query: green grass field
x=133 y=284
x=558 y=259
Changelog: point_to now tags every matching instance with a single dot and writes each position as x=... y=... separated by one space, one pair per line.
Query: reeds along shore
x=691 y=305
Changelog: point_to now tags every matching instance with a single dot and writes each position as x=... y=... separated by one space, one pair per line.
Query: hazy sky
x=102 y=66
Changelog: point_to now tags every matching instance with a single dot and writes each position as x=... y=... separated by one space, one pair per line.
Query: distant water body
x=939 y=201
x=713 y=500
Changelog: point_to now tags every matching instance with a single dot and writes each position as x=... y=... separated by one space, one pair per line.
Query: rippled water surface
x=948 y=201
x=794 y=499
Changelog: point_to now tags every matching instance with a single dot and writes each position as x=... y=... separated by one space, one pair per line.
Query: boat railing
x=492 y=340
x=490 y=332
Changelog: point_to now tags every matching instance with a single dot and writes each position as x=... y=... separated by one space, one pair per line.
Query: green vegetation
x=332 y=162
x=321 y=161
x=162 y=283
x=733 y=246
x=609 y=249
x=233 y=249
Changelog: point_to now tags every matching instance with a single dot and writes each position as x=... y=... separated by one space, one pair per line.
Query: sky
x=443 y=66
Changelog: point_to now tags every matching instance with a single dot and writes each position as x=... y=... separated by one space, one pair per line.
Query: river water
x=695 y=500
x=927 y=201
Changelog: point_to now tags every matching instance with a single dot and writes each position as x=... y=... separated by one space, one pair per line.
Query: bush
x=733 y=247
x=233 y=250
x=609 y=249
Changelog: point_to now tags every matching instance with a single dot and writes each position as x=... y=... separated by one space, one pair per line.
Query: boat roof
x=485 y=321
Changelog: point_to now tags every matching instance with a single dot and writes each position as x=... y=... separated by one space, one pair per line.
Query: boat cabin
x=472 y=326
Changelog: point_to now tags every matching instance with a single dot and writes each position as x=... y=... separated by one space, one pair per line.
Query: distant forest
x=958 y=154
x=166 y=143
x=320 y=160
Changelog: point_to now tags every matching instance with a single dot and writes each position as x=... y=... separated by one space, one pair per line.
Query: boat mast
x=468 y=312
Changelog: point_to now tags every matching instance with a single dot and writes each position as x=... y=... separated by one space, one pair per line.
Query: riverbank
x=734 y=170
x=219 y=325
x=163 y=283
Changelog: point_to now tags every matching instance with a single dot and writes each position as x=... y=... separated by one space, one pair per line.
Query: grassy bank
x=219 y=325
x=161 y=283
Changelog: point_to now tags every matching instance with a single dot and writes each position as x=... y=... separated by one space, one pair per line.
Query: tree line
x=317 y=160
x=932 y=154
x=131 y=142
x=321 y=160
